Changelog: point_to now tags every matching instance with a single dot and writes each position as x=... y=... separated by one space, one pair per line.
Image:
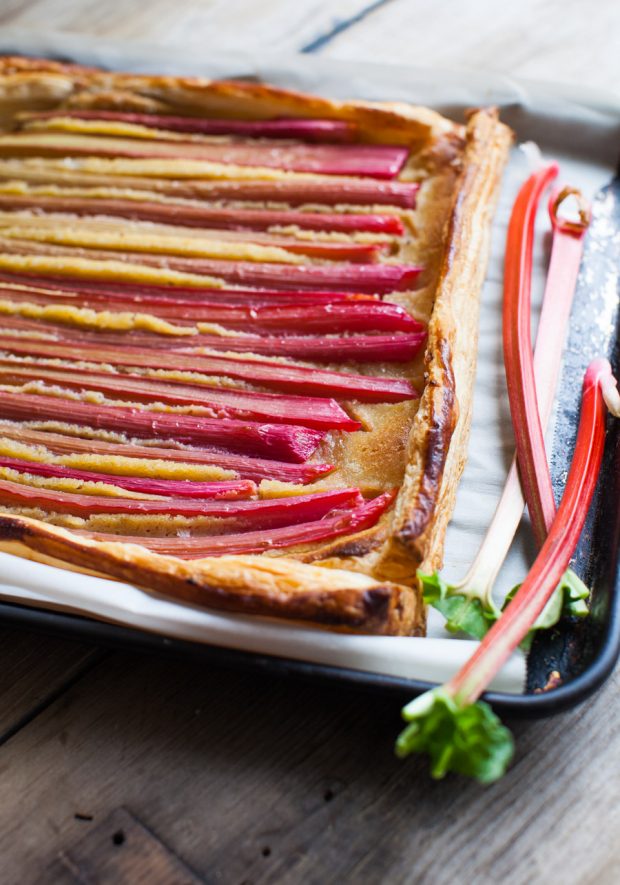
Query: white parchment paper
x=581 y=131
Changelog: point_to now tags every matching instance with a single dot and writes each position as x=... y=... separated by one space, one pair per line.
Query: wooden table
x=117 y=767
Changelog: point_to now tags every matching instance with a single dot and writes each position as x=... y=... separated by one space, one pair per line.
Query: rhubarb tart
x=238 y=333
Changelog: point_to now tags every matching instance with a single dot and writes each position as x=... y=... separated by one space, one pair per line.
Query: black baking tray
x=583 y=652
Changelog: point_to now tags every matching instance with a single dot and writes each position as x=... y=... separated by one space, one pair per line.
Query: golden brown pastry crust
x=386 y=557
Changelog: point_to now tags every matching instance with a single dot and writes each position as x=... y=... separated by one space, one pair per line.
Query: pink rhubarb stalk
x=170 y=488
x=286 y=442
x=243 y=466
x=293 y=191
x=377 y=279
x=269 y=373
x=209 y=217
x=14 y=285
x=369 y=160
x=399 y=347
x=317 y=412
x=518 y=355
x=348 y=522
x=309 y=129
x=348 y=316
x=262 y=514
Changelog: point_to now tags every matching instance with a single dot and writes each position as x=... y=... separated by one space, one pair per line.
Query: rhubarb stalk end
x=466 y=739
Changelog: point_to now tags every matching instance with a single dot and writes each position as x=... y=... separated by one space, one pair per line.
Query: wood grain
x=33 y=671
x=256 y=780
x=119 y=849
x=214 y=24
x=575 y=43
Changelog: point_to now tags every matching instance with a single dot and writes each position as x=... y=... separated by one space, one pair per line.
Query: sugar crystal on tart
x=238 y=331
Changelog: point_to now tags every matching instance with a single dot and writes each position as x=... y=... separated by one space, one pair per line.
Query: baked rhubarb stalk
x=356 y=519
x=313 y=130
x=169 y=488
x=55 y=177
x=207 y=216
x=287 y=442
x=236 y=513
x=121 y=290
x=298 y=379
x=379 y=279
x=132 y=459
x=315 y=319
x=326 y=348
x=370 y=161
x=317 y=412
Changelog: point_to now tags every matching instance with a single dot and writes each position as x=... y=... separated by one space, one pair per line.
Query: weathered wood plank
x=249 y=779
x=238 y=24
x=33 y=670
x=538 y=39
x=119 y=849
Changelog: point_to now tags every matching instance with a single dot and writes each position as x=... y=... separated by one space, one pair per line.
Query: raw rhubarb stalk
x=316 y=412
x=310 y=129
x=226 y=490
x=518 y=356
x=218 y=218
x=269 y=373
x=373 y=161
x=469 y=605
x=243 y=466
x=521 y=365
x=458 y=733
x=348 y=522
x=287 y=442
x=262 y=514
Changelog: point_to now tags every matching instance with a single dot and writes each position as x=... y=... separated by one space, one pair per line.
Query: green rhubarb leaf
x=568 y=600
x=468 y=740
x=464 y=613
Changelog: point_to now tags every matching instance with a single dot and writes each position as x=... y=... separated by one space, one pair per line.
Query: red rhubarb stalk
x=317 y=412
x=284 y=376
x=373 y=161
x=310 y=129
x=518 y=354
x=348 y=522
x=459 y=732
x=218 y=218
x=558 y=547
x=263 y=514
x=242 y=465
x=170 y=488
x=286 y=442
